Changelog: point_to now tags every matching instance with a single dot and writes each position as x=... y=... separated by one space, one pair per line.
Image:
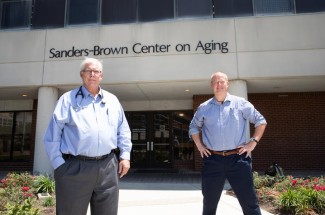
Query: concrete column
x=239 y=88
x=47 y=98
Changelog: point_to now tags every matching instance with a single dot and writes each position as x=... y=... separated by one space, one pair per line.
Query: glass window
x=15 y=136
x=22 y=136
x=15 y=14
x=149 y=10
x=6 y=122
x=83 y=12
x=232 y=8
x=194 y=8
x=273 y=6
x=47 y=13
x=183 y=146
x=308 y=6
x=119 y=11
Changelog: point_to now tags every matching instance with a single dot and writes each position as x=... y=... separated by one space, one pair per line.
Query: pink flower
x=3 y=182
x=319 y=187
x=294 y=182
x=24 y=189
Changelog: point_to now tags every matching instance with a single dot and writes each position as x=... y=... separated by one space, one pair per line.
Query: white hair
x=93 y=61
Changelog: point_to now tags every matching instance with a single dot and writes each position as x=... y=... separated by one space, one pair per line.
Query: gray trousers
x=78 y=183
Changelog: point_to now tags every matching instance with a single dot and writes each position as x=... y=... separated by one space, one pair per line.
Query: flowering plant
x=17 y=187
x=291 y=195
x=17 y=193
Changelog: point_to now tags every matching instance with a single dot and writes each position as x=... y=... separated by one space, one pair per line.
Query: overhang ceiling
x=179 y=90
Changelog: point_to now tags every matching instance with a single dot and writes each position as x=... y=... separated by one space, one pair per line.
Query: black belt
x=84 y=158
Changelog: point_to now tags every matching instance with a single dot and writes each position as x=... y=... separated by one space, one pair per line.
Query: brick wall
x=295 y=135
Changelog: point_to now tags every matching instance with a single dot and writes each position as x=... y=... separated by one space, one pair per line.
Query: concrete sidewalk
x=171 y=199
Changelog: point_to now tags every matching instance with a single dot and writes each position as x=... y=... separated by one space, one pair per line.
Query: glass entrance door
x=151 y=139
x=160 y=144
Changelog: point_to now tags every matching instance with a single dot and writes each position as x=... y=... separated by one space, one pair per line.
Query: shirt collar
x=87 y=93
x=227 y=99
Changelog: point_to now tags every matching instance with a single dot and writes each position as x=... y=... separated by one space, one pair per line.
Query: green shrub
x=48 y=202
x=292 y=195
x=17 y=193
x=302 y=201
x=25 y=208
x=44 y=184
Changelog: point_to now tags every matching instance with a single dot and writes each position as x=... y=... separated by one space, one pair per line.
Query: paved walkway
x=169 y=194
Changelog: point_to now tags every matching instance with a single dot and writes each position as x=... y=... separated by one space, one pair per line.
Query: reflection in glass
x=161 y=146
x=6 y=123
x=138 y=126
x=194 y=8
x=15 y=14
x=263 y=7
x=182 y=144
x=15 y=136
x=22 y=136
x=83 y=12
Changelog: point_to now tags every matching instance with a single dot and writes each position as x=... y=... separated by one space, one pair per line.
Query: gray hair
x=93 y=61
x=219 y=74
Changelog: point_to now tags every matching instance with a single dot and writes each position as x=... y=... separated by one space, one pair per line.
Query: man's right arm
x=200 y=146
x=194 y=132
x=53 y=134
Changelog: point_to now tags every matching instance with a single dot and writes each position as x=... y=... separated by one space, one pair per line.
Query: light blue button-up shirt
x=88 y=126
x=224 y=126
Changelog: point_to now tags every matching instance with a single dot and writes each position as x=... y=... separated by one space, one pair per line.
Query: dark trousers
x=237 y=170
x=78 y=183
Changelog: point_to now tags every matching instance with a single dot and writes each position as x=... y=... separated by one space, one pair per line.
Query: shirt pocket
x=233 y=114
x=112 y=117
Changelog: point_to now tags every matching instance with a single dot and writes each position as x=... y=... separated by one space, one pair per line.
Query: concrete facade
x=149 y=65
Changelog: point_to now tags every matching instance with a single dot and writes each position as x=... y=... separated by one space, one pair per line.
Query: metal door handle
x=151 y=146
x=148 y=146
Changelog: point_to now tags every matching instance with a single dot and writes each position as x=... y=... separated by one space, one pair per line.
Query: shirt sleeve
x=253 y=115
x=196 y=123
x=124 y=136
x=53 y=134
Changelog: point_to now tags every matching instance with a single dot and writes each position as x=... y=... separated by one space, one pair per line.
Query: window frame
x=291 y=11
x=27 y=17
x=67 y=14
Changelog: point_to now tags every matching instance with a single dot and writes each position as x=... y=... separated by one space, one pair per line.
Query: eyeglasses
x=89 y=71
x=219 y=82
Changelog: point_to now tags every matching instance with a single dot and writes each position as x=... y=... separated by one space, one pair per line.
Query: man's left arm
x=255 y=117
x=124 y=144
x=124 y=167
x=250 y=146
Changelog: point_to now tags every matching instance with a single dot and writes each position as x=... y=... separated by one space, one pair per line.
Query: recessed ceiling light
x=187 y=90
x=181 y=114
x=24 y=95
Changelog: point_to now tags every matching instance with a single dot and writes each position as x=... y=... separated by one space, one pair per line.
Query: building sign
x=140 y=48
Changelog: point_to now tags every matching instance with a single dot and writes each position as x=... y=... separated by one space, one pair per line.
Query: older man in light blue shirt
x=87 y=126
x=223 y=146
